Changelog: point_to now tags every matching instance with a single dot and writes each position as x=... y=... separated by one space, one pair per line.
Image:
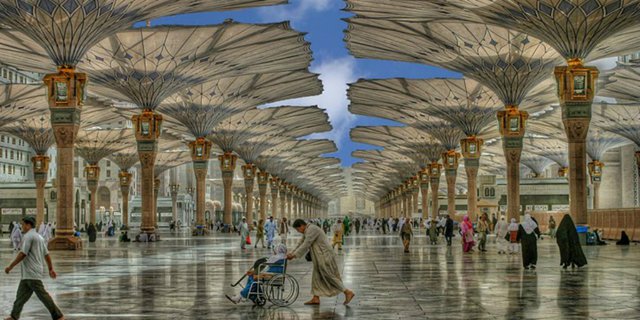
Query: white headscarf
x=528 y=224
x=513 y=226
x=16 y=233
x=501 y=228
x=280 y=253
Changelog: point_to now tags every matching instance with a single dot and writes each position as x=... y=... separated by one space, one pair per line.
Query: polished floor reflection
x=185 y=278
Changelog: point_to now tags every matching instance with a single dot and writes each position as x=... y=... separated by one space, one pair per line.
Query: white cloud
x=296 y=11
x=335 y=75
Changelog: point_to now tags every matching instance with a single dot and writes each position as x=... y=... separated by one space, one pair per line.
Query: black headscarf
x=91 y=231
x=624 y=239
x=569 y=244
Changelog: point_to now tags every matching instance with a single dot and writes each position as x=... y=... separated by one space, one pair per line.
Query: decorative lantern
x=450 y=159
x=423 y=175
x=563 y=172
x=92 y=172
x=512 y=121
x=227 y=161
x=471 y=147
x=595 y=170
x=125 y=178
x=263 y=177
x=576 y=83
x=434 y=170
x=200 y=149
x=190 y=191
x=148 y=125
x=174 y=188
x=66 y=88
x=249 y=171
x=275 y=183
x=40 y=164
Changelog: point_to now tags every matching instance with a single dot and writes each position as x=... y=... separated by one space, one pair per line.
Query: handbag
x=308 y=256
x=248 y=240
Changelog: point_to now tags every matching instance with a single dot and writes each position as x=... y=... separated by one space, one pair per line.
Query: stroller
x=279 y=288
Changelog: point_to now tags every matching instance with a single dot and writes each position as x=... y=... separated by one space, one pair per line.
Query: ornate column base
x=65 y=243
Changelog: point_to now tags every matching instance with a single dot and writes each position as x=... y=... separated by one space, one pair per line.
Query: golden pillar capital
x=148 y=126
x=450 y=160
x=563 y=172
x=249 y=171
x=275 y=184
x=512 y=123
x=200 y=150
x=65 y=89
x=471 y=147
x=576 y=83
x=92 y=172
x=263 y=178
x=227 y=162
x=435 y=171
x=125 y=179
x=40 y=167
x=595 y=171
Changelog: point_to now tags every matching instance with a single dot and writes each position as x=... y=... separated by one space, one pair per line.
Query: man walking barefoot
x=33 y=255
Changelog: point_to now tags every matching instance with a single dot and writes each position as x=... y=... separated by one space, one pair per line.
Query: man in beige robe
x=325 y=279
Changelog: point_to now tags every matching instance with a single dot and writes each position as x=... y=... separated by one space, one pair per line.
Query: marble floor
x=186 y=278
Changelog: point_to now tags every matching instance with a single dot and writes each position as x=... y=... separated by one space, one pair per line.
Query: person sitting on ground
x=599 y=241
x=624 y=239
x=277 y=261
x=124 y=236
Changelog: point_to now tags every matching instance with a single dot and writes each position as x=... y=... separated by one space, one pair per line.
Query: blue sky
x=321 y=20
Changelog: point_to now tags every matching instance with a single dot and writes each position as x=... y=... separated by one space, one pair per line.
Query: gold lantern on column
x=450 y=159
x=275 y=184
x=148 y=125
x=125 y=178
x=415 y=182
x=92 y=172
x=249 y=171
x=200 y=149
x=576 y=83
x=227 y=161
x=40 y=165
x=595 y=171
x=434 y=170
x=66 y=88
x=563 y=172
x=512 y=121
x=471 y=147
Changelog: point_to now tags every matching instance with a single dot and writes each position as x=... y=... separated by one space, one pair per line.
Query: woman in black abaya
x=570 y=249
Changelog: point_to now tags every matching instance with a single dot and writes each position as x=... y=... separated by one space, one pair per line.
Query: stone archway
x=103 y=198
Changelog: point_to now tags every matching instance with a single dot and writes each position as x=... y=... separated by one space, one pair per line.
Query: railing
x=611 y=222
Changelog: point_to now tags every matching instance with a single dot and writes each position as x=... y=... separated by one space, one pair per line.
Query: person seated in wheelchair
x=263 y=269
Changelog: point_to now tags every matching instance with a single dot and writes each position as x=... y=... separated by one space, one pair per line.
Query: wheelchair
x=279 y=288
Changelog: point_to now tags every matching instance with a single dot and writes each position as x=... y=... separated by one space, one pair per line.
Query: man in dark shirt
x=448 y=230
